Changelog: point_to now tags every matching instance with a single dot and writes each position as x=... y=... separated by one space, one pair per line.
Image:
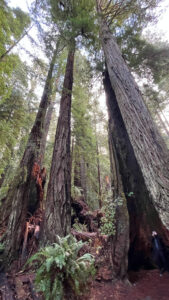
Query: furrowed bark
x=149 y=149
x=120 y=241
x=142 y=214
x=57 y=218
x=23 y=195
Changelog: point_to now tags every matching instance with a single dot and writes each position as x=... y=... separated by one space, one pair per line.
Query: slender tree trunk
x=46 y=129
x=165 y=119
x=15 y=43
x=149 y=149
x=163 y=125
x=57 y=220
x=2 y=178
x=80 y=179
x=77 y=173
x=98 y=174
x=83 y=178
x=22 y=196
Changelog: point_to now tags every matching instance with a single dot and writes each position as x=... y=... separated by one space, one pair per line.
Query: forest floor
x=145 y=285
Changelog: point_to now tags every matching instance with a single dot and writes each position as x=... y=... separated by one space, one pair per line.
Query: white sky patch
x=22 y=4
x=163 y=22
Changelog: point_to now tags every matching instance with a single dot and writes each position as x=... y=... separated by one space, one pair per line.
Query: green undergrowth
x=59 y=268
x=109 y=210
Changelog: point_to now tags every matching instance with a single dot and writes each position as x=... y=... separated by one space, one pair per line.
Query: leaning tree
x=142 y=154
x=22 y=196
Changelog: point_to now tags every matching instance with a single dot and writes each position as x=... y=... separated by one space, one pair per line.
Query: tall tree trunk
x=149 y=149
x=120 y=241
x=22 y=196
x=142 y=214
x=57 y=218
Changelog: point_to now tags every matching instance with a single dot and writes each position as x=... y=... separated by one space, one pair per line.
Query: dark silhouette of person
x=159 y=253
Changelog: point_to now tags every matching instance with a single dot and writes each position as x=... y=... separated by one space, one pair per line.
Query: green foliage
x=2 y=247
x=76 y=191
x=79 y=227
x=61 y=268
x=130 y=194
x=12 y=24
x=108 y=220
x=74 y=18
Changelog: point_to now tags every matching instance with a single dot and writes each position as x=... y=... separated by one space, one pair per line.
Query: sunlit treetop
x=130 y=12
x=76 y=19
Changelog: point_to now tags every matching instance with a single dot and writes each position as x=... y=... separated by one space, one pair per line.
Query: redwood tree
x=142 y=154
x=22 y=196
x=74 y=19
x=58 y=204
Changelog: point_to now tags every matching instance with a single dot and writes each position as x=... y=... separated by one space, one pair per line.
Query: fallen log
x=85 y=216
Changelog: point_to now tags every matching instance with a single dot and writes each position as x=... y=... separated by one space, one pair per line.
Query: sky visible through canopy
x=161 y=28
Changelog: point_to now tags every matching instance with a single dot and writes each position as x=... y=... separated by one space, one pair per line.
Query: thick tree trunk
x=149 y=148
x=142 y=214
x=120 y=242
x=23 y=194
x=57 y=218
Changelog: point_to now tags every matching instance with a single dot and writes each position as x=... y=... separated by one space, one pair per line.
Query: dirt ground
x=145 y=285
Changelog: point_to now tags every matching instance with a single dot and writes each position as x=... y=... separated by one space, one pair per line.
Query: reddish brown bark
x=142 y=214
x=58 y=204
x=149 y=149
x=22 y=196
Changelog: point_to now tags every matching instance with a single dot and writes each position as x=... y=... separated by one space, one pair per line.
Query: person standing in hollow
x=159 y=253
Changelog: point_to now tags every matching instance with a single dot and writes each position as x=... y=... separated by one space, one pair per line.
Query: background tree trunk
x=22 y=196
x=46 y=129
x=98 y=174
x=163 y=124
x=58 y=204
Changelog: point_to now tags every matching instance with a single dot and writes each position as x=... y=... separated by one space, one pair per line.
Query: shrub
x=59 y=267
x=108 y=220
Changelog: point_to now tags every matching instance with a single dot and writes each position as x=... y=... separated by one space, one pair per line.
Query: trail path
x=146 y=285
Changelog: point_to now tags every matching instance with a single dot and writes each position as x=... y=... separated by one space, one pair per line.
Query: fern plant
x=60 y=268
